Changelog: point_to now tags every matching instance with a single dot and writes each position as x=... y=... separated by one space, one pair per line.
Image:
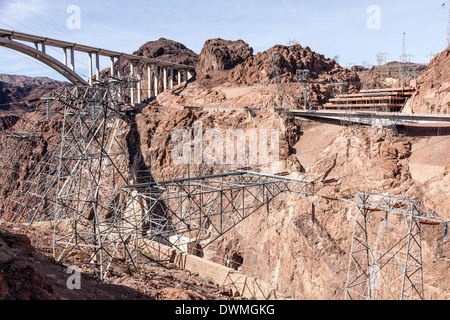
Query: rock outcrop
x=392 y=74
x=217 y=60
x=261 y=69
x=164 y=50
x=433 y=87
x=169 y=51
x=265 y=79
x=219 y=54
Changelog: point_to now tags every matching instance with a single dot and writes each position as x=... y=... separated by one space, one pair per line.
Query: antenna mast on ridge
x=405 y=57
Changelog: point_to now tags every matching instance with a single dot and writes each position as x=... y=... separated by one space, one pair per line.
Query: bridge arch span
x=157 y=70
x=44 y=58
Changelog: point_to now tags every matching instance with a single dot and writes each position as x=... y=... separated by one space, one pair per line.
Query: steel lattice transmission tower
x=405 y=57
x=383 y=266
x=92 y=165
x=404 y=72
x=381 y=58
x=303 y=76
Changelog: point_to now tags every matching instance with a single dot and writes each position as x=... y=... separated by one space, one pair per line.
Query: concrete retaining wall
x=241 y=284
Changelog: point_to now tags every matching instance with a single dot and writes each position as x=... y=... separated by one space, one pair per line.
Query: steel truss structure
x=104 y=214
x=191 y=212
x=92 y=166
x=185 y=213
x=33 y=199
x=303 y=77
x=102 y=207
x=382 y=267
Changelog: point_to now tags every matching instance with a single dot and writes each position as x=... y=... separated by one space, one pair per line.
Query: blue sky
x=332 y=28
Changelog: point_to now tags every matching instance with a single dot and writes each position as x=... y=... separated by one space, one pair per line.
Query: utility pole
x=303 y=76
x=405 y=58
x=337 y=59
x=381 y=58
x=292 y=42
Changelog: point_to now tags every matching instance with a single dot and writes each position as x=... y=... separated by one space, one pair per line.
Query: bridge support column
x=65 y=56
x=149 y=80
x=90 y=68
x=179 y=77
x=164 y=79
x=36 y=45
x=97 y=66
x=112 y=71
x=132 y=89
x=185 y=77
x=72 y=59
x=139 y=96
x=171 y=78
x=119 y=66
x=156 y=80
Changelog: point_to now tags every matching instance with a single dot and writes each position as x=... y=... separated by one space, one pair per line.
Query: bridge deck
x=375 y=118
x=14 y=35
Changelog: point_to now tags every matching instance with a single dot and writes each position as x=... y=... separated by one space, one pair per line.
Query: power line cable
x=52 y=48
x=47 y=22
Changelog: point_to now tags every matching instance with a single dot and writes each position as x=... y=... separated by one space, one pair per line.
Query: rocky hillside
x=433 y=93
x=259 y=69
x=16 y=91
x=283 y=62
x=283 y=244
x=28 y=273
x=265 y=79
x=29 y=82
x=389 y=75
